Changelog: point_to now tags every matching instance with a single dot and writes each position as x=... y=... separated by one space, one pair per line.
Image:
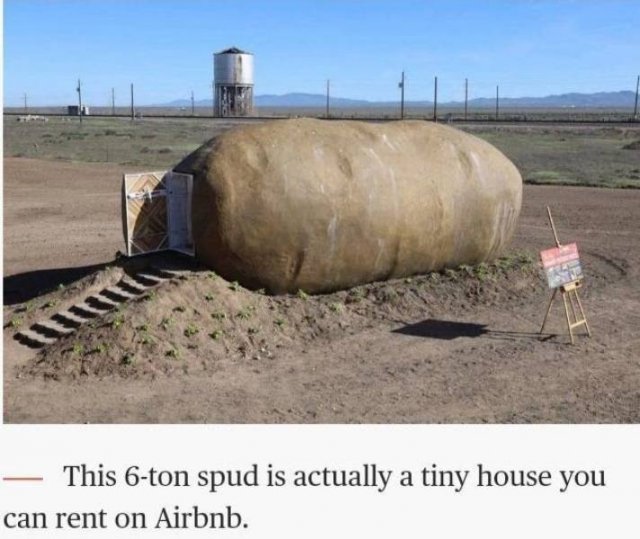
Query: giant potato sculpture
x=323 y=205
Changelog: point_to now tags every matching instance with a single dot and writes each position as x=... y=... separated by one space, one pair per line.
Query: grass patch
x=191 y=330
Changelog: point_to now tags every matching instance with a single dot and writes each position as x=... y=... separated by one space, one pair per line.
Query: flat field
x=545 y=154
x=456 y=346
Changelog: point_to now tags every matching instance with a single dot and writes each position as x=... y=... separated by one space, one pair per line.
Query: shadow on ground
x=442 y=329
x=448 y=329
x=23 y=287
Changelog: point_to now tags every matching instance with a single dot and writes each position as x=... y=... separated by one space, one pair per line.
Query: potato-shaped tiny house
x=323 y=205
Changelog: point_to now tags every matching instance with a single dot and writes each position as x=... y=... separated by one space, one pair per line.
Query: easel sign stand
x=564 y=273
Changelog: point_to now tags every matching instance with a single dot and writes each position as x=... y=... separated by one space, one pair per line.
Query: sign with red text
x=561 y=265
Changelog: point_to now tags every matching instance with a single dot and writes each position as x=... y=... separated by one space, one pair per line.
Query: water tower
x=233 y=79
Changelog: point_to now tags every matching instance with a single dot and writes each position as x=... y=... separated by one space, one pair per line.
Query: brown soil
x=453 y=347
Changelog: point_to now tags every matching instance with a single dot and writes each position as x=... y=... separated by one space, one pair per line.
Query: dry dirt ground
x=457 y=346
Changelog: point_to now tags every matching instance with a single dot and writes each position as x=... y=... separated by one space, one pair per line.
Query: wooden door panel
x=146 y=213
x=156 y=210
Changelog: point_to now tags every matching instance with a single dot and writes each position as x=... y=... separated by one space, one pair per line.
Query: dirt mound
x=195 y=320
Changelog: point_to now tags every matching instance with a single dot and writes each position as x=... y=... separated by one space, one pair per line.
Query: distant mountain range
x=622 y=99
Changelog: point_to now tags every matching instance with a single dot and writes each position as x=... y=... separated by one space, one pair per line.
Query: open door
x=156 y=212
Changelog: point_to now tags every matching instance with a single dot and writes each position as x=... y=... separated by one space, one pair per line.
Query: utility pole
x=401 y=86
x=113 y=102
x=79 y=90
x=497 y=101
x=435 y=99
x=328 y=93
x=466 y=98
x=635 y=107
x=26 y=108
x=133 y=115
x=193 y=106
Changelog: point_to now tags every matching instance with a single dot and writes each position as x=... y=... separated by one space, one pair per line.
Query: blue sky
x=165 y=47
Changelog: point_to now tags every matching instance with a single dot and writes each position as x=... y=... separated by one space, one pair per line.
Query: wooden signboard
x=561 y=265
x=564 y=272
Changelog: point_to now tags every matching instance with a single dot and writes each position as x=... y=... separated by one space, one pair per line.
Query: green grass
x=128 y=359
x=101 y=348
x=117 y=321
x=191 y=330
x=115 y=140
x=575 y=155
x=216 y=334
x=15 y=322
x=602 y=156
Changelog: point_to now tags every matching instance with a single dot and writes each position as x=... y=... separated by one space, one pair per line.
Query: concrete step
x=149 y=279
x=51 y=328
x=82 y=309
x=32 y=339
x=117 y=294
x=69 y=319
x=101 y=303
x=134 y=287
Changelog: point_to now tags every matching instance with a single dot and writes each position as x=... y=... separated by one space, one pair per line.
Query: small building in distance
x=74 y=110
x=233 y=79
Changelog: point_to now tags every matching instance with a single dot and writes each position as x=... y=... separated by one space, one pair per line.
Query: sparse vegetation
x=450 y=273
x=118 y=320
x=15 y=322
x=128 y=359
x=482 y=271
x=172 y=353
x=387 y=295
x=101 y=348
x=216 y=334
x=166 y=322
x=356 y=294
x=601 y=156
x=246 y=313
x=191 y=330
x=147 y=339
